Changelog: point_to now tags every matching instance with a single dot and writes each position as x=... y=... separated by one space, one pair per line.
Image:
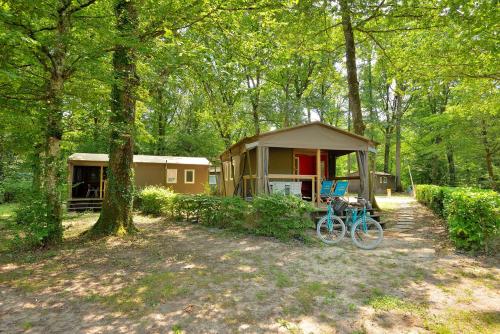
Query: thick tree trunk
x=52 y=161
x=352 y=76
x=116 y=215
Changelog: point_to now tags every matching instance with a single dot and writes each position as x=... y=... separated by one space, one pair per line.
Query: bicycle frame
x=355 y=213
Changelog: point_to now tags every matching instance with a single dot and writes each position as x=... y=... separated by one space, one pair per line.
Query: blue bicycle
x=366 y=232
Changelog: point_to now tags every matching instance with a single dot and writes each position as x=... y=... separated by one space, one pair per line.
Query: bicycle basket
x=339 y=207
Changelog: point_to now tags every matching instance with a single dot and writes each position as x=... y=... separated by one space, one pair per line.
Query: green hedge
x=473 y=215
x=279 y=216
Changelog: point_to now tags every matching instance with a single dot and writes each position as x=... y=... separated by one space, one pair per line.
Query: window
x=380 y=179
x=212 y=180
x=189 y=176
x=385 y=179
x=171 y=175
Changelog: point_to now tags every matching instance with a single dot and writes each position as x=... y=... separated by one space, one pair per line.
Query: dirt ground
x=185 y=278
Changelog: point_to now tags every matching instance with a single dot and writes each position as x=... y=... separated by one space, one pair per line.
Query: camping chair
x=340 y=189
x=326 y=189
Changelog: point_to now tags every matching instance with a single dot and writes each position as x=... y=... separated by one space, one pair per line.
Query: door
x=307 y=166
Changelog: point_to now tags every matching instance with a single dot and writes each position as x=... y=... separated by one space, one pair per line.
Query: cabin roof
x=310 y=135
x=151 y=159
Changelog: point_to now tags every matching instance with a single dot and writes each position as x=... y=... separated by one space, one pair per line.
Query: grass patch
x=7 y=210
x=8 y=226
x=312 y=293
x=455 y=321
x=394 y=303
x=148 y=292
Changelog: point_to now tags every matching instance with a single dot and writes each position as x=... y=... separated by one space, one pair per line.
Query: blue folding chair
x=326 y=189
x=340 y=189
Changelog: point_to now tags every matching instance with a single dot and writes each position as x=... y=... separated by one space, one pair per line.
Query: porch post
x=318 y=176
x=100 y=181
x=362 y=157
x=70 y=180
x=260 y=171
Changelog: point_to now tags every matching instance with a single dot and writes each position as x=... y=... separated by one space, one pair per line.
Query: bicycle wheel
x=367 y=236
x=333 y=233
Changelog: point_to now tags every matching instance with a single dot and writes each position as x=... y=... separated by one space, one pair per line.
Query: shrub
x=281 y=216
x=472 y=215
x=431 y=196
x=13 y=189
x=278 y=216
x=154 y=200
x=31 y=215
x=473 y=218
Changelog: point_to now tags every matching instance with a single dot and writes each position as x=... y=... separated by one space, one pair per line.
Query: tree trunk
x=387 y=149
x=116 y=215
x=399 y=106
x=352 y=76
x=488 y=155
x=52 y=161
x=399 y=186
x=371 y=109
x=451 y=167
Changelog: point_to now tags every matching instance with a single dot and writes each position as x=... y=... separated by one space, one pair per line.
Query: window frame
x=185 y=176
x=176 y=175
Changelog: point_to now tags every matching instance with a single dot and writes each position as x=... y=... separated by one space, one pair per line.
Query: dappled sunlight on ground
x=195 y=279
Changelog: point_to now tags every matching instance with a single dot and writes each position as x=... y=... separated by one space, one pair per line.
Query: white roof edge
x=100 y=157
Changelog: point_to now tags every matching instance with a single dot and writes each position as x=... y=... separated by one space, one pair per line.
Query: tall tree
x=50 y=55
x=352 y=75
x=116 y=215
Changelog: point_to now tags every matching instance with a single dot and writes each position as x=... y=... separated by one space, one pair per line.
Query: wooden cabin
x=87 y=176
x=381 y=182
x=300 y=157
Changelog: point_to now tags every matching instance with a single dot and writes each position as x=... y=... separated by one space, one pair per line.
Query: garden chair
x=326 y=189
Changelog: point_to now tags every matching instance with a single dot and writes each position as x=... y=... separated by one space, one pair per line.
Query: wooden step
x=85 y=204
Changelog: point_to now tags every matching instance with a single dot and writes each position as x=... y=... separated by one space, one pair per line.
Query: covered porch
x=300 y=157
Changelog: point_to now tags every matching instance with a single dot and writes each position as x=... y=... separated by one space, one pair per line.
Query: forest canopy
x=193 y=77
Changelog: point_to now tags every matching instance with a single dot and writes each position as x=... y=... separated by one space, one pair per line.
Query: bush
x=32 y=217
x=431 y=196
x=280 y=216
x=14 y=189
x=222 y=212
x=472 y=215
x=473 y=218
x=153 y=200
